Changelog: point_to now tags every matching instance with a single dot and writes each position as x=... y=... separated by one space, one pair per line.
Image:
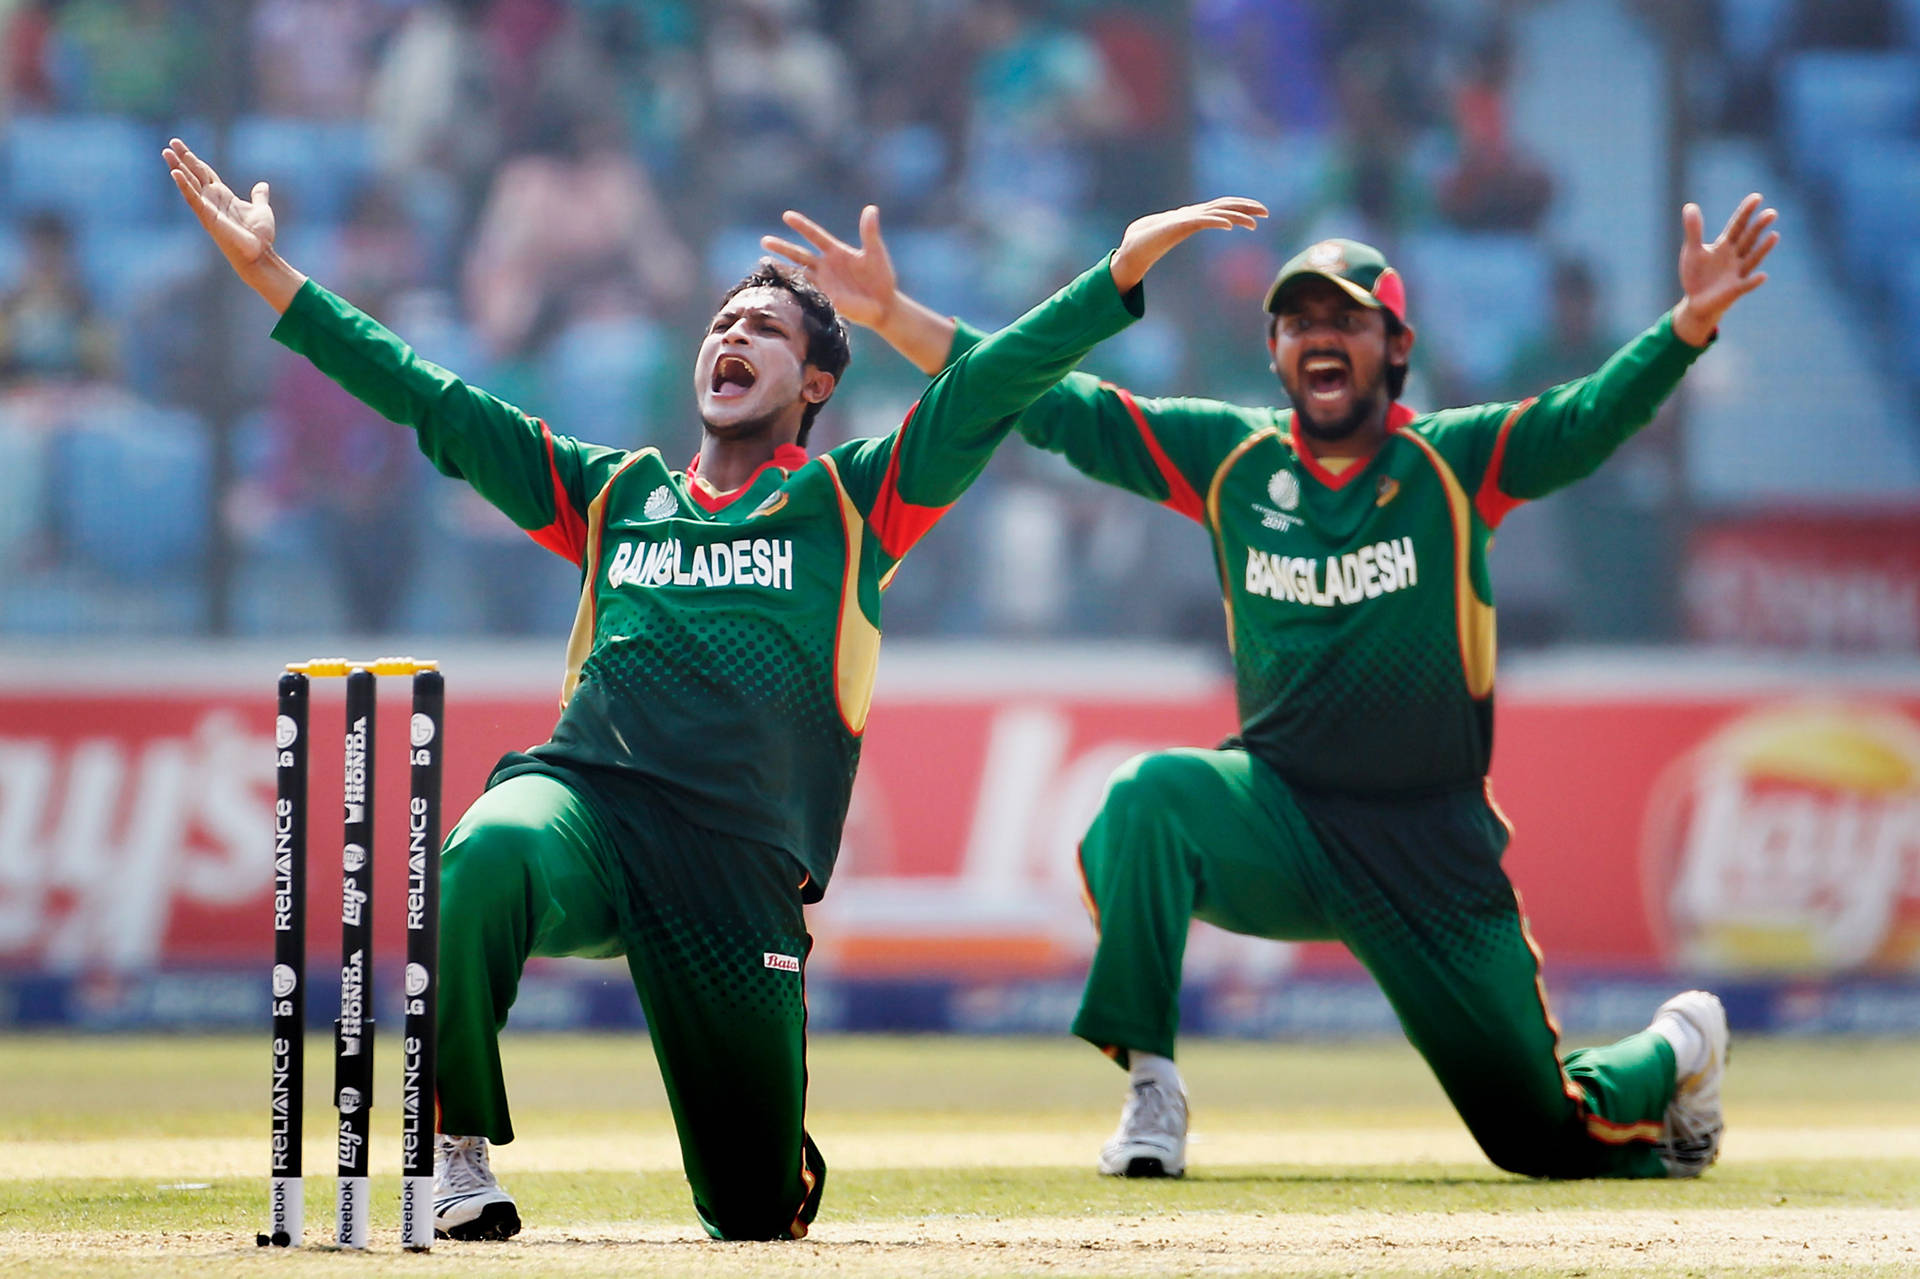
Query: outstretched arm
x=1528 y=450
x=1160 y=449
x=904 y=482
x=539 y=480
x=243 y=230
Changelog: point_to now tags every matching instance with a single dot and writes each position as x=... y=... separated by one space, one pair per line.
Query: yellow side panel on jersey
x=1474 y=616
x=1213 y=520
x=856 y=646
x=580 y=639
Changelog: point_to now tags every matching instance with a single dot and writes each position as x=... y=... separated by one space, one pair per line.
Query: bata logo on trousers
x=745 y=561
x=785 y=963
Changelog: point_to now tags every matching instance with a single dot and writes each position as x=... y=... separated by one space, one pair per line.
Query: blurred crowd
x=548 y=197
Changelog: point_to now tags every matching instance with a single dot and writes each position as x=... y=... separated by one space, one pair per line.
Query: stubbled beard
x=1364 y=409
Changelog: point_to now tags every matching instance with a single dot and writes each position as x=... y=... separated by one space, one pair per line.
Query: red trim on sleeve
x=788 y=457
x=1180 y=494
x=1492 y=504
x=900 y=523
x=567 y=535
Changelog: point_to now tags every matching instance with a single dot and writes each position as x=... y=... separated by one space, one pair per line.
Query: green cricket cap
x=1358 y=268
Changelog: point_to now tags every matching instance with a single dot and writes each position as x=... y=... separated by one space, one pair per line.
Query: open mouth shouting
x=1327 y=379
x=733 y=377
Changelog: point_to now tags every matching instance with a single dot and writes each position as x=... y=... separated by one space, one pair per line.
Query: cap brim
x=1358 y=294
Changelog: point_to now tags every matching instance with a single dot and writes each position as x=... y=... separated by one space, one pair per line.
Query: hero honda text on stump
x=353 y=1031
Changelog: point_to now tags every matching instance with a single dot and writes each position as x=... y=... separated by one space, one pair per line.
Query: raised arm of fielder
x=1167 y=449
x=1510 y=453
x=509 y=457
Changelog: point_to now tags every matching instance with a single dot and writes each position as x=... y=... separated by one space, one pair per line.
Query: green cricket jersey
x=1358 y=604
x=724 y=649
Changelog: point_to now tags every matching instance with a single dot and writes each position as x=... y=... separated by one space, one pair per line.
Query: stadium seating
x=1905 y=281
x=600 y=380
x=1830 y=97
x=1752 y=29
x=1475 y=297
x=92 y=169
x=938 y=266
x=1286 y=174
x=136 y=493
x=122 y=264
x=1877 y=192
x=315 y=167
x=23 y=478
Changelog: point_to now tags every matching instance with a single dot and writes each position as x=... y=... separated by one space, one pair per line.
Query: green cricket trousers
x=713 y=934
x=1414 y=888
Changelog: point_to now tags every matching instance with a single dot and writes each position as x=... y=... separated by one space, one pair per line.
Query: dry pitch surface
x=970 y=1157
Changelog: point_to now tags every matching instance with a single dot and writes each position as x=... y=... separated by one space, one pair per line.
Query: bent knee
x=490 y=853
x=1147 y=782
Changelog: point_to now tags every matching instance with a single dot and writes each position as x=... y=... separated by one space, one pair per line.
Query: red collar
x=1398 y=415
x=788 y=457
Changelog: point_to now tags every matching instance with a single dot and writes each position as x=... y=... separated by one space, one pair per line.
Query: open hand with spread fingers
x=1715 y=276
x=1148 y=239
x=243 y=230
x=860 y=281
x=863 y=287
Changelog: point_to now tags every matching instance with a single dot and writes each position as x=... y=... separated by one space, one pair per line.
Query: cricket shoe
x=467 y=1202
x=1695 y=1122
x=1152 y=1138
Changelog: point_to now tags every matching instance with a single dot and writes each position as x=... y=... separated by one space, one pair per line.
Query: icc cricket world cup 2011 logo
x=1789 y=843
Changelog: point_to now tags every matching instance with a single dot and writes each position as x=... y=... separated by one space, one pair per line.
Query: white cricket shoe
x=1152 y=1138
x=1695 y=1121
x=467 y=1202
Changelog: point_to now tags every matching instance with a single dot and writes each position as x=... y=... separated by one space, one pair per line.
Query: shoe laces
x=1151 y=1107
x=463 y=1164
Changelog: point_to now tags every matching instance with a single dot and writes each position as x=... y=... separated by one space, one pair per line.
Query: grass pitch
x=967 y=1157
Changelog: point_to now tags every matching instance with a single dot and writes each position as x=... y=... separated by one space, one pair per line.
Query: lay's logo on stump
x=1789 y=842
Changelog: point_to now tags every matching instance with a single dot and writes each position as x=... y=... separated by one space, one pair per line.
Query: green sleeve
x=543 y=482
x=1163 y=449
x=903 y=482
x=1507 y=453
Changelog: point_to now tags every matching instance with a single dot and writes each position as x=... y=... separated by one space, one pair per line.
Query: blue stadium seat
x=600 y=378
x=1877 y=192
x=1474 y=298
x=731 y=253
x=23 y=479
x=13 y=255
x=1751 y=29
x=58 y=602
x=124 y=264
x=940 y=266
x=313 y=248
x=315 y=167
x=1287 y=174
x=1829 y=97
x=1905 y=281
x=93 y=169
x=136 y=491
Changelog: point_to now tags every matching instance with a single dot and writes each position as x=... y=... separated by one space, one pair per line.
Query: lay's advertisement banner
x=1765 y=830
